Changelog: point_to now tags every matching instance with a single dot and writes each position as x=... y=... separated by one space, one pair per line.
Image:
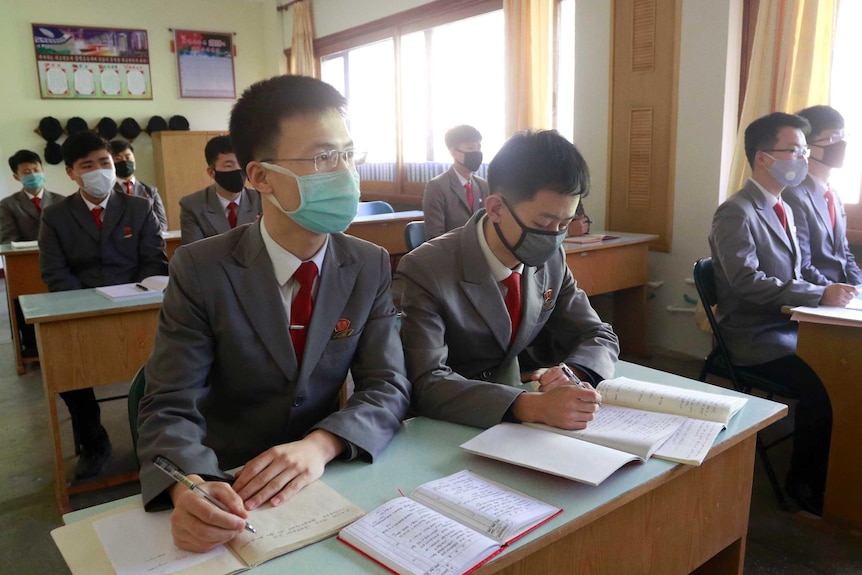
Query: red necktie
x=97 y=215
x=468 y=187
x=830 y=203
x=36 y=202
x=300 y=310
x=782 y=217
x=231 y=214
x=129 y=188
x=513 y=301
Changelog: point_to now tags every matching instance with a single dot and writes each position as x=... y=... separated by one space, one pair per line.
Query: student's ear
x=257 y=177
x=71 y=173
x=15 y=175
x=211 y=172
x=494 y=206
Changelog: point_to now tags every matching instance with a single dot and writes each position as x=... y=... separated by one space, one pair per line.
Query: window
x=564 y=99
x=846 y=97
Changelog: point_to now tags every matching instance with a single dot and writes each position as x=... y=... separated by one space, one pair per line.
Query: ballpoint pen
x=177 y=475
x=574 y=378
x=142 y=287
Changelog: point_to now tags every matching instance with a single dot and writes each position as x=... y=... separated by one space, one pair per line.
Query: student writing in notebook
x=494 y=302
x=260 y=326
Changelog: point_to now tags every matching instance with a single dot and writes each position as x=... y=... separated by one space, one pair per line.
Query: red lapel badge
x=342 y=329
x=127 y=232
x=546 y=298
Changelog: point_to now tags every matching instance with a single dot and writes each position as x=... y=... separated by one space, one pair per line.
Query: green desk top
x=426 y=449
x=62 y=304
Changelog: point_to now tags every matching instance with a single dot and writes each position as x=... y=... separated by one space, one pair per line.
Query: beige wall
x=258 y=42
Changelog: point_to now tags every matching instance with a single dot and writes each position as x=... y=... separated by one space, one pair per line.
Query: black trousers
x=813 y=418
x=26 y=331
x=86 y=416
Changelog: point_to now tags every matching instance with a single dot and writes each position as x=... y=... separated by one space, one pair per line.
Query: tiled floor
x=777 y=543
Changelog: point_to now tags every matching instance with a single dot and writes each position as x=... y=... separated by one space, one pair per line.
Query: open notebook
x=637 y=420
x=147 y=286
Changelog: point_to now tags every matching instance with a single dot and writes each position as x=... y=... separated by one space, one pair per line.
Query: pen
x=142 y=287
x=174 y=472
x=574 y=378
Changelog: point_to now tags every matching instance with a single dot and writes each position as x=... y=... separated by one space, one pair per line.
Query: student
x=454 y=196
x=821 y=223
x=463 y=336
x=757 y=271
x=260 y=326
x=127 y=183
x=94 y=238
x=20 y=216
x=225 y=204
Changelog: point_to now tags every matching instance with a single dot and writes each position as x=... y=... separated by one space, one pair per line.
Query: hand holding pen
x=577 y=381
x=203 y=519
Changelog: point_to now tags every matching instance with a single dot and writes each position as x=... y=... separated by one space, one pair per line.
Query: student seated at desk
x=757 y=264
x=127 y=183
x=95 y=238
x=20 y=217
x=495 y=298
x=260 y=326
x=224 y=205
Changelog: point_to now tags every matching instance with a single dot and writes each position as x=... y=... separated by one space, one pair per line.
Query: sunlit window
x=847 y=97
x=565 y=90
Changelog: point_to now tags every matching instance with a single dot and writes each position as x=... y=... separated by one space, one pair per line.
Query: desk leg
x=630 y=320
x=16 y=336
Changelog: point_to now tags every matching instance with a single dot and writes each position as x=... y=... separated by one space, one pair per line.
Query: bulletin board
x=80 y=62
x=205 y=64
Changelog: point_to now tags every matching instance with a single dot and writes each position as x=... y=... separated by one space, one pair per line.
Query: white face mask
x=99 y=183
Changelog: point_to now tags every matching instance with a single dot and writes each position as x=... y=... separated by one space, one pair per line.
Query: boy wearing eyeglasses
x=225 y=204
x=260 y=326
x=821 y=223
x=757 y=262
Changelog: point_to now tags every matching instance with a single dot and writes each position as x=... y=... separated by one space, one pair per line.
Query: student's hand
x=838 y=295
x=552 y=377
x=579 y=226
x=280 y=472
x=566 y=407
x=196 y=524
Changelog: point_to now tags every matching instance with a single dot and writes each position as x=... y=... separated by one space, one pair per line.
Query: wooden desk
x=835 y=353
x=385 y=230
x=618 y=266
x=23 y=277
x=652 y=518
x=73 y=329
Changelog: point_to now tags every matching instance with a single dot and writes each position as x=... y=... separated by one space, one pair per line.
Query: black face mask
x=124 y=169
x=233 y=180
x=534 y=247
x=472 y=160
x=833 y=154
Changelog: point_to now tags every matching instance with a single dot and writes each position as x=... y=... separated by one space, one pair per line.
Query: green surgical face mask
x=328 y=201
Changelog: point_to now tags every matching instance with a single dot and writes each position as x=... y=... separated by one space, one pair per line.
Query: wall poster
x=205 y=64
x=92 y=63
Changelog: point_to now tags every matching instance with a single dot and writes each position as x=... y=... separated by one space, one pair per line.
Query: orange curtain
x=302 y=45
x=529 y=63
x=790 y=69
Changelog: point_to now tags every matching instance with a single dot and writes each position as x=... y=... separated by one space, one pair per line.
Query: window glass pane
x=332 y=71
x=847 y=97
x=565 y=100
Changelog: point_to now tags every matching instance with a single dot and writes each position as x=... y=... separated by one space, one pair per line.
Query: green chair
x=414 y=235
x=136 y=392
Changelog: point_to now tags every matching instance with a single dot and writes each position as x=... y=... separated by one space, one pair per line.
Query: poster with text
x=205 y=64
x=92 y=63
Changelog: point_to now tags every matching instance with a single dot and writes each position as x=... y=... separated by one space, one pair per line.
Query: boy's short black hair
x=81 y=145
x=217 y=146
x=538 y=160
x=255 y=122
x=23 y=157
x=120 y=146
x=462 y=134
x=762 y=133
x=822 y=119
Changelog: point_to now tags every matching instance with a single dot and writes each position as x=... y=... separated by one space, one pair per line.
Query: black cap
x=76 y=124
x=130 y=129
x=50 y=128
x=53 y=153
x=156 y=124
x=178 y=123
x=107 y=128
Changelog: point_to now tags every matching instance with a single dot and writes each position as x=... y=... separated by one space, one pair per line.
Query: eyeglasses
x=833 y=139
x=328 y=161
x=797 y=152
